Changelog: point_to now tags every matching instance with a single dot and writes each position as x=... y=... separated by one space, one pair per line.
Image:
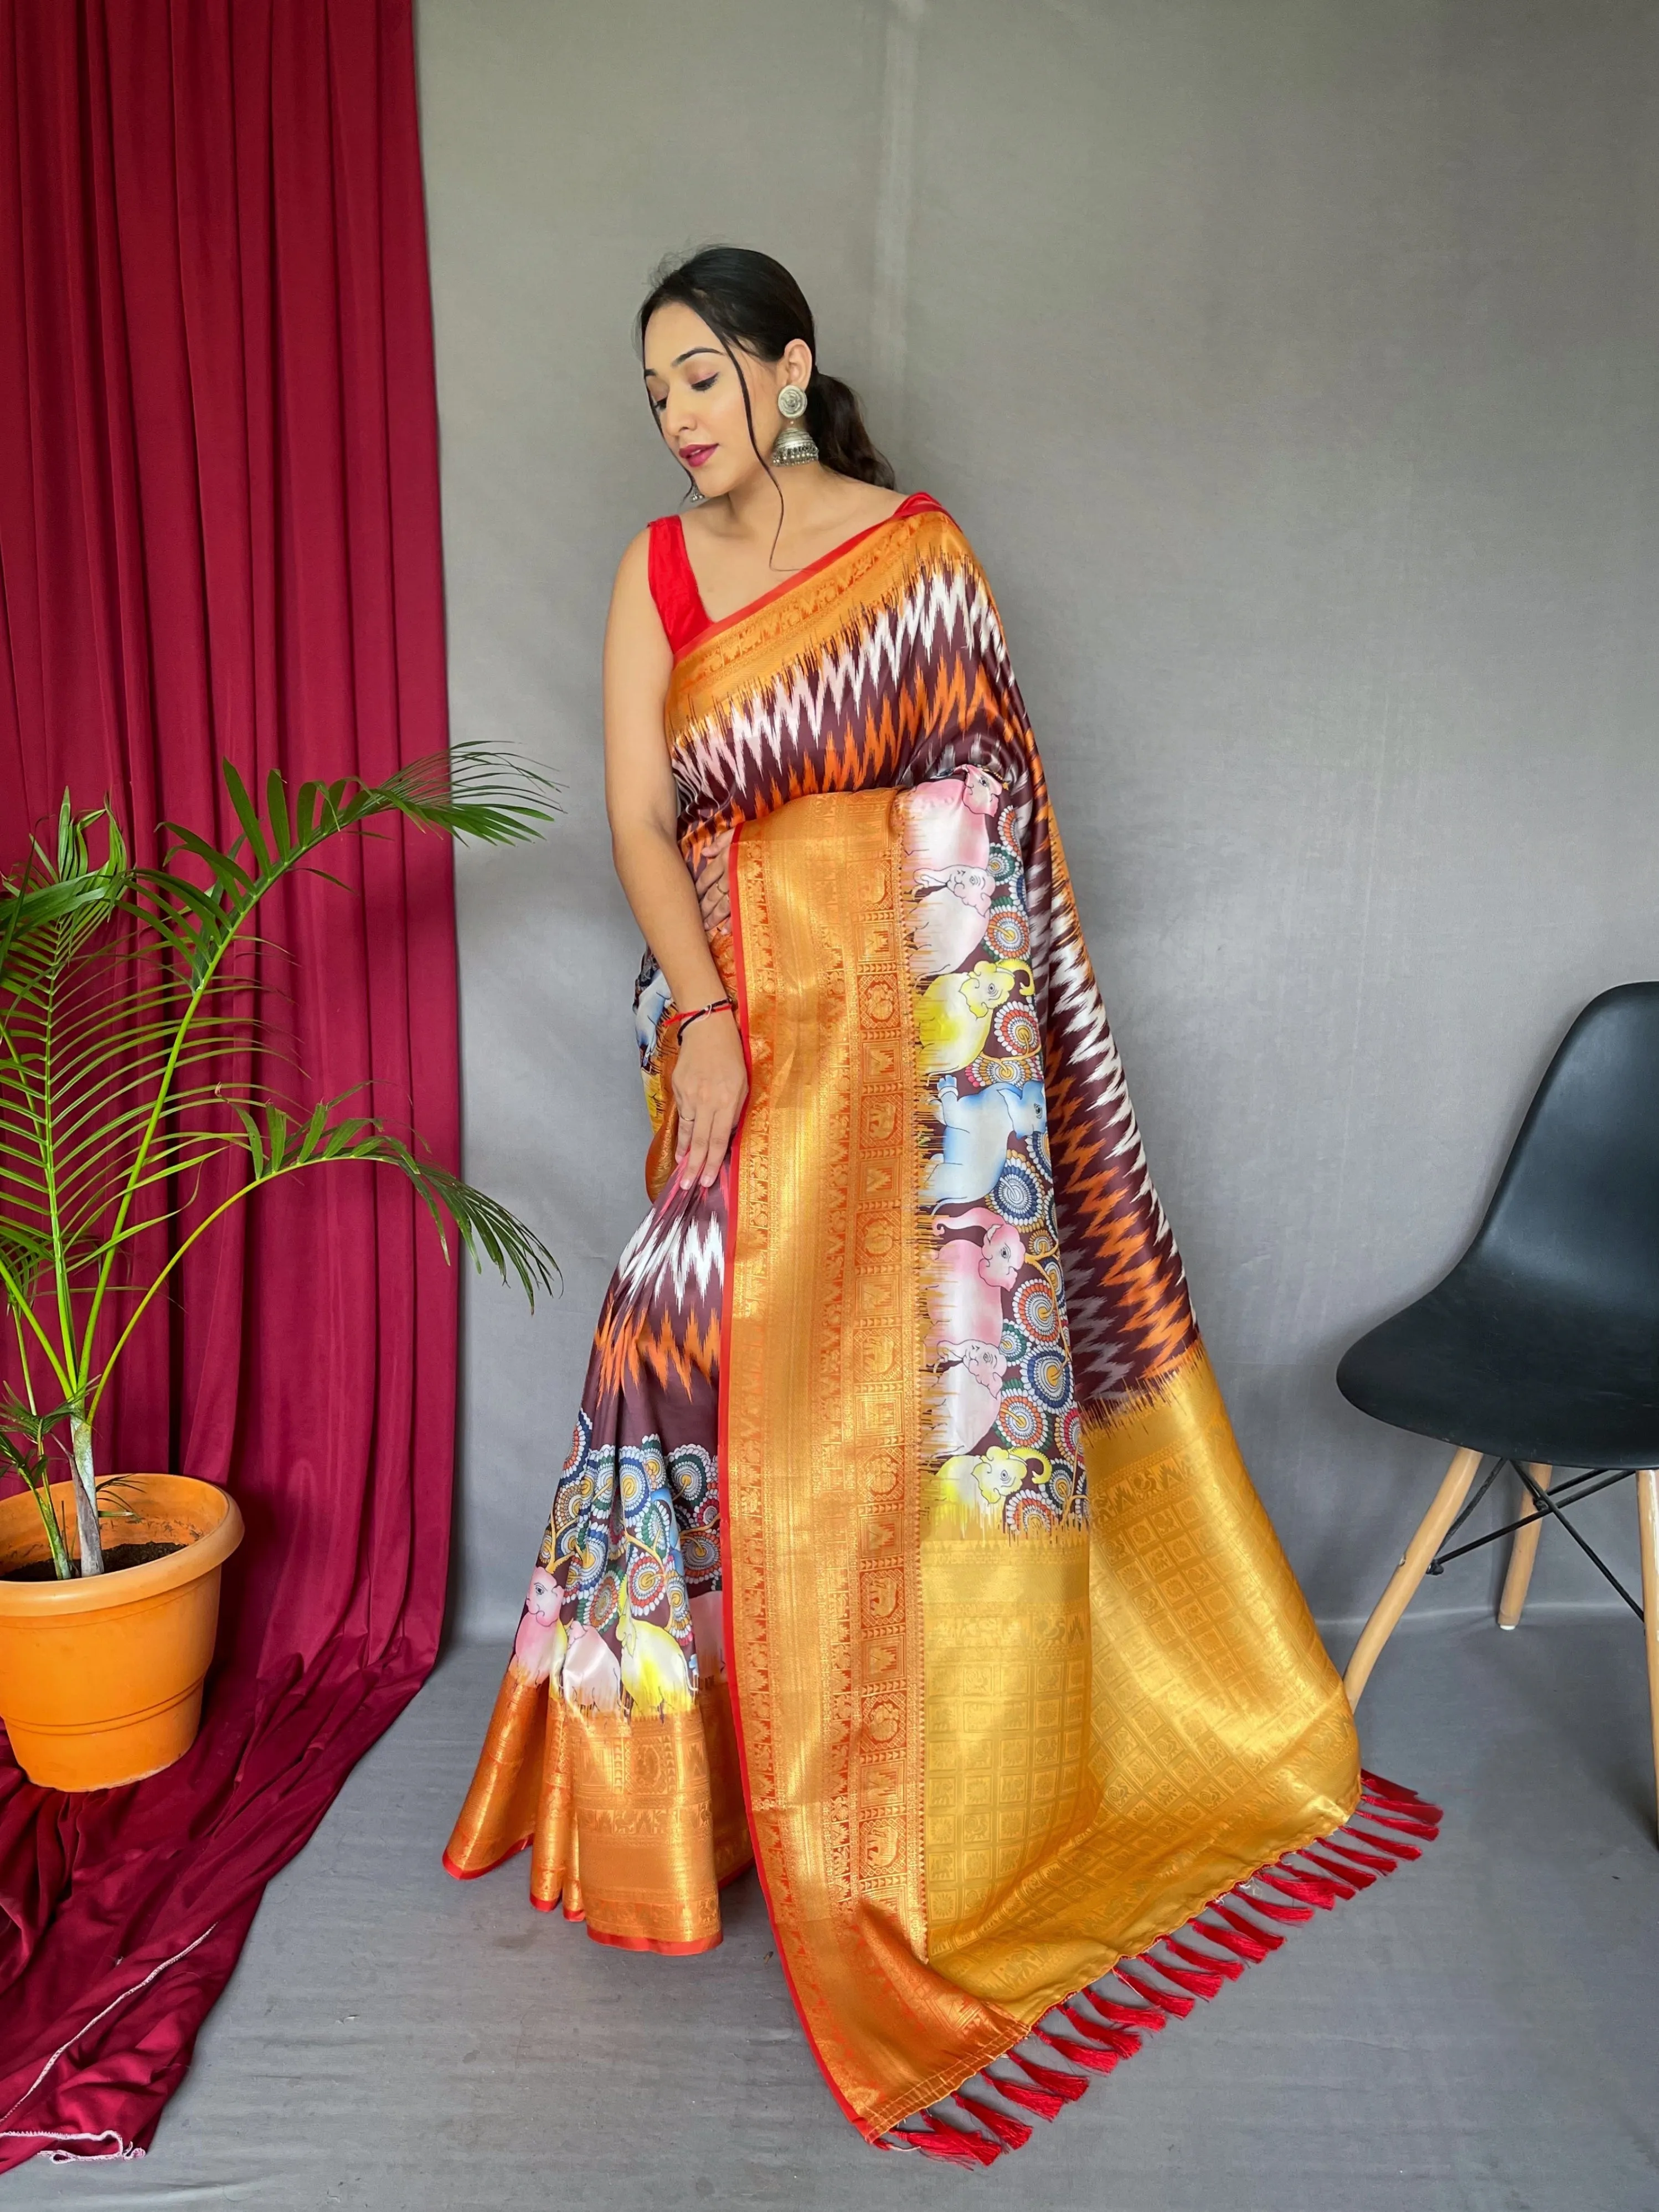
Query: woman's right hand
x=710 y=1083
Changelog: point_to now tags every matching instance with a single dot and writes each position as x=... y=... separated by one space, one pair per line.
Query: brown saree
x=903 y=1539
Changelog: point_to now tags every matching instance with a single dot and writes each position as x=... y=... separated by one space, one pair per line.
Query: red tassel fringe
x=1349 y=1879
x=1165 y=2000
x=1396 y=1794
x=1114 y=2038
x=1136 y=2016
x=1200 y=1981
x=1028 y=2098
x=1405 y=1826
x=1003 y=2125
x=1228 y=1969
x=1068 y=2087
x=1092 y=2055
x=1196 y=1974
x=1274 y=1911
x=1387 y=1843
x=939 y=2139
x=1311 y=1888
x=1172 y=1973
x=1235 y=1920
x=1251 y=1943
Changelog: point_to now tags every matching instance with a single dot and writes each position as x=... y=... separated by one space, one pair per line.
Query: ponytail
x=835 y=421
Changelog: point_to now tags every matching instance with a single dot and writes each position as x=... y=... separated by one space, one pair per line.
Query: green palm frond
x=278 y=1143
x=132 y=1091
x=69 y=890
x=469 y=792
x=81 y=1071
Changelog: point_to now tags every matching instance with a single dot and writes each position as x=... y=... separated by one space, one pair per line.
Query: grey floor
x=1477 y=2033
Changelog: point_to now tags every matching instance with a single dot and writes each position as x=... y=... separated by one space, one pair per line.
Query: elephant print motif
x=538 y=1649
x=977 y=1126
x=970 y=1395
x=1007 y=1439
x=654 y=1672
x=593 y=1671
x=950 y=918
x=953 y=1019
x=947 y=822
x=966 y=1282
x=982 y=1482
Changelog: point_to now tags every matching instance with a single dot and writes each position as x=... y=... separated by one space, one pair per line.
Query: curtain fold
x=219 y=535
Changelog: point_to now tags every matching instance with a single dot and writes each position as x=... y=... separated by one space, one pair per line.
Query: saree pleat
x=1008 y=1676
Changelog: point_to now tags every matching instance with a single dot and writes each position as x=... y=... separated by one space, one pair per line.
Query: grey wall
x=1290 y=364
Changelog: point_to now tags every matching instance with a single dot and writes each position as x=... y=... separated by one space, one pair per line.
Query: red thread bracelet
x=679 y=1021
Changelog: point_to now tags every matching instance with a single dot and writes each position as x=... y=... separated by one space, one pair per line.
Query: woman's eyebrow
x=679 y=357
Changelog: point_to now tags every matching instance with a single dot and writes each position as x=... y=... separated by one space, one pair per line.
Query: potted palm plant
x=133 y=1118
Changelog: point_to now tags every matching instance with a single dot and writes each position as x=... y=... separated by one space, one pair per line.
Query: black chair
x=1541 y=1349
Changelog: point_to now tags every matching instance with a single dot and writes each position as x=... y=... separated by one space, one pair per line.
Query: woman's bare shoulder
x=634 y=620
x=877 y=503
x=632 y=577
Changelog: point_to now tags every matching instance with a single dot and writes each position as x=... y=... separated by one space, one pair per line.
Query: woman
x=903 y=1544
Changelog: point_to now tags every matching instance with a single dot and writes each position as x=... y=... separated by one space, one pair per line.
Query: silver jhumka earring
x=792 y=444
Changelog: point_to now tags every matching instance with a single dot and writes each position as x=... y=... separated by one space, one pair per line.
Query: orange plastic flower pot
x=101 y=1681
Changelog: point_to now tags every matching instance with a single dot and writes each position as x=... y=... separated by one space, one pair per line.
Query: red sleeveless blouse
x=674 y=587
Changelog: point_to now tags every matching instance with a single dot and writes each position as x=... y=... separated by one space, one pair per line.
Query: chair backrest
x=1578 y=1202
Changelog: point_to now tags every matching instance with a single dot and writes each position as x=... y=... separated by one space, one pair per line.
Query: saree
x=903 y=1547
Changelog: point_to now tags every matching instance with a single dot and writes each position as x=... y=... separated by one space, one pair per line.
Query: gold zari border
x=821 y=1479
x=978 y=1769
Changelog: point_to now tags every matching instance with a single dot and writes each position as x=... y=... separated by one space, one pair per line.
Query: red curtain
x=219 y=535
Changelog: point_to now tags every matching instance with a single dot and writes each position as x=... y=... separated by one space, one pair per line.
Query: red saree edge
x=649 y=1943
x=628 y=1942
x=722 y=1459
x=473 y=1874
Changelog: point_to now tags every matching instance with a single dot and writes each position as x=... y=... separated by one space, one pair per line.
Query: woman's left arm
x=710 y=1081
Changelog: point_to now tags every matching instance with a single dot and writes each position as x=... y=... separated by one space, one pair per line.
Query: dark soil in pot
x=116 y=1556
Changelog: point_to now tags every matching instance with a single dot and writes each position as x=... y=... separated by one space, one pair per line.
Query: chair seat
x=1513 y=1368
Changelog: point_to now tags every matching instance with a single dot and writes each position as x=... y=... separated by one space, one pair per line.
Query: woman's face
x=698 y=402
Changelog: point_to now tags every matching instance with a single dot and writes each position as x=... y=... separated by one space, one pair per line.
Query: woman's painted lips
x=695 y=456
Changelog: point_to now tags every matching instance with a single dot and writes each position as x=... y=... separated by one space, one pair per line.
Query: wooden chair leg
x=1647 y=1507
x=1402 y=1586
x=1523 y=1550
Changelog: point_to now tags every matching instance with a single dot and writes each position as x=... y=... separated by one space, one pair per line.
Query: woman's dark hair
x=749 y=299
